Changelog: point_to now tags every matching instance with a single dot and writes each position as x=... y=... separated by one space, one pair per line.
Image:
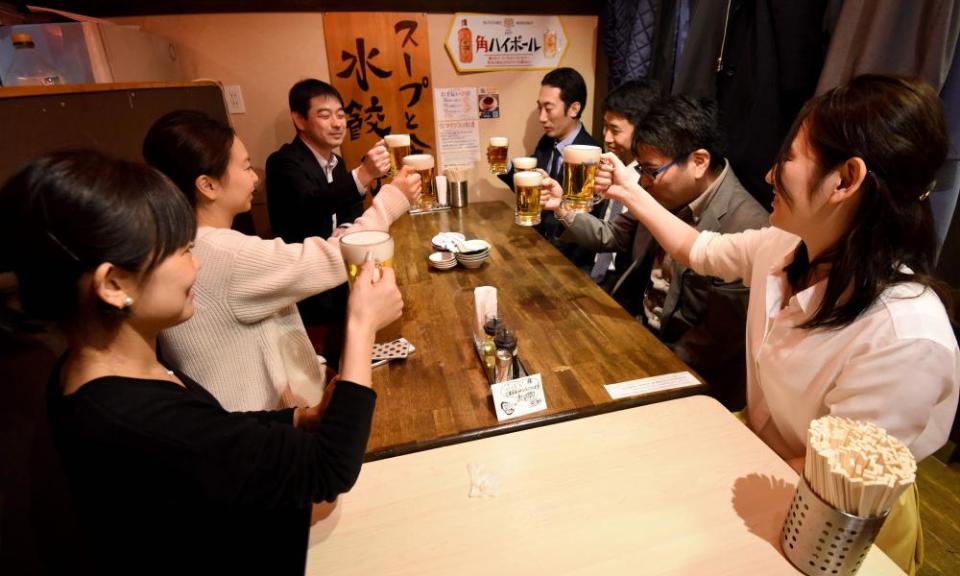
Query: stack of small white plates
x=473 y=253
x=443 y=260
x=447 y=241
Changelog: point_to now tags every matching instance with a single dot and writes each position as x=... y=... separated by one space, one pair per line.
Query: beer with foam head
x=524 y=163
x=527 y=187
x=424 y=165
x=579 y=170
x=497 y=155
x=354 y=247
x=398 y=145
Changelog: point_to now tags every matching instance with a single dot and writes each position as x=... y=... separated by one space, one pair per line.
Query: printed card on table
x=518 y=397
x=651 y=384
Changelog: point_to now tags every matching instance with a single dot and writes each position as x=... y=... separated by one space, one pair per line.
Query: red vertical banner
x=380 y=64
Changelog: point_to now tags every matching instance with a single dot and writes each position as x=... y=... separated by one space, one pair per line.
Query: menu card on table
x=518 y=397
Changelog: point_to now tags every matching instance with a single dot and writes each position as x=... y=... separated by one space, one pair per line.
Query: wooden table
x=568 y=330
x=679 y=487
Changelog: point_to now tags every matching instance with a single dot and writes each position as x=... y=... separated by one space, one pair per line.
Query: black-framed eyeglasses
x=652 y=173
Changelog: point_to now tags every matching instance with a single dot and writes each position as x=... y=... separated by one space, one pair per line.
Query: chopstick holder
x=854 y=472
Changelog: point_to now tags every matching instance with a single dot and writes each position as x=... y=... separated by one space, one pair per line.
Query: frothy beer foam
x=525 y=163
x=419 y=161
x=355 y=246
x=527 y=179
x=499 y=141
x=397 y=140
x=578 y=154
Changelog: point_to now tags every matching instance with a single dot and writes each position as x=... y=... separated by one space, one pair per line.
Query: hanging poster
x=487 y=42
x=380 y=64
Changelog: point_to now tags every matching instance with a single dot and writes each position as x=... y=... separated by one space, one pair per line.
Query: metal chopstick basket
x=820 y=540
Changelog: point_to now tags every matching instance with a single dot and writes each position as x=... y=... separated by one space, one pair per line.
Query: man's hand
x=376 y=163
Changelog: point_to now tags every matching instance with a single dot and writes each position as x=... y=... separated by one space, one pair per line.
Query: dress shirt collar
x=561 y=144
x=327 y=166
x=700 y=203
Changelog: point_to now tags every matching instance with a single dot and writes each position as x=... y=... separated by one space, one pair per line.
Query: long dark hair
x=896 y=126
x=186 y=144
x=66 y=213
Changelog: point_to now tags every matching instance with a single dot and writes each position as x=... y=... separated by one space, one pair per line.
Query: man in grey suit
x=679 y=154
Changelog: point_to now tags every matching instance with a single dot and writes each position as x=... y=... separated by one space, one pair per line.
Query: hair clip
x=926 y=193
x=63 y=247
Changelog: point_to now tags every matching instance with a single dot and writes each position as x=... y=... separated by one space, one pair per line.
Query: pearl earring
x=127 y=302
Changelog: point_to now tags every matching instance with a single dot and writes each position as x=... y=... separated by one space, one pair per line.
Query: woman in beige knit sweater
x=246 y=342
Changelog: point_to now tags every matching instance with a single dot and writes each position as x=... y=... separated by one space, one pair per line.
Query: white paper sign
x=518 y=397
x=458 y=127
x=458 y=142
x=457 y=103
x=651 y=384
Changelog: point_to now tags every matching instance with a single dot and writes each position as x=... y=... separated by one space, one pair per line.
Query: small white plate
x=474 y=246
x=442 y=258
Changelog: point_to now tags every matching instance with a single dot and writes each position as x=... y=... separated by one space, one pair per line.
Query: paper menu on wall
x=458 y=127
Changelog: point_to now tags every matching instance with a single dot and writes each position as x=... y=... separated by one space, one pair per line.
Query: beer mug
x=354 y=247
x=524 y=163
x=580 y=170
x=497 y=155
x=424 y=165
x=398 y=145
x=527 y=187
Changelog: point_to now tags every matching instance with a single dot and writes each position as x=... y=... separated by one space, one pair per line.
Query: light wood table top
x=568 y=330
x=678 y=487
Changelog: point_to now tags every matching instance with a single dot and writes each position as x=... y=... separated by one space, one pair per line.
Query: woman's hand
x=408 y=182
x=309 y=418
x=614 y=180
x=375 y=300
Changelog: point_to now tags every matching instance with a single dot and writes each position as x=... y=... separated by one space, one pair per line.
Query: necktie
x=555 y=162
x=601 y=263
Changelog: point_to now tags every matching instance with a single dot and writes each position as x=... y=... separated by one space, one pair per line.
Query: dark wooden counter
x=568 y=330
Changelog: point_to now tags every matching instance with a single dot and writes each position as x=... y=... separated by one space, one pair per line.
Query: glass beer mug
x=398 y=145
x=354 y=247
x=424 y=166
x=497 y=155
x=527 y=187
x=524 y=163
x=580 y=165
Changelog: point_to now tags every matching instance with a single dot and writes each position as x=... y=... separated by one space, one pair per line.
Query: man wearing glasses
x=679 y=154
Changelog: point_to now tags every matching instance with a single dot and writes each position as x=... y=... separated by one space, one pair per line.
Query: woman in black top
x=165 y=480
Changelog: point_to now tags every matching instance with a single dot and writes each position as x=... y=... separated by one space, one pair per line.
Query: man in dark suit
x=310 y=192
x=679 y=153
x=562 y=98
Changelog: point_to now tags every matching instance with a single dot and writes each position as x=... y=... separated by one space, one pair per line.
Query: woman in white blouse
x=844 y=317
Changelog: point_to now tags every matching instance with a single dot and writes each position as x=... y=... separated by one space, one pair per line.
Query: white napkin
x=441 y=184
x=482 y=483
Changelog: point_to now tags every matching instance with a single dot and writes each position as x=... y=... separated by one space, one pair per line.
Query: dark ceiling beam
x=107 y=8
